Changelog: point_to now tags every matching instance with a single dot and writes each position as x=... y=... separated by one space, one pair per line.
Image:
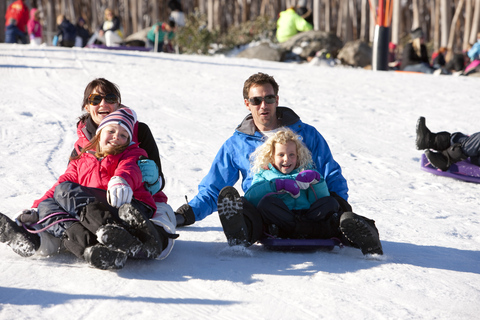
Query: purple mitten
x=307 y=177
x=288 y=186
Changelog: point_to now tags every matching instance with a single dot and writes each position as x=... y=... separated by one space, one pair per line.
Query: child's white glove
x=118 y=192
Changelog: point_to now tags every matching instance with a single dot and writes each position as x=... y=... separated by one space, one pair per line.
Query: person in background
x=13 y=34
x=66 y=32
x=18 y=10
x=290 y=23
x=161 y=34
x=34 y=27
x=443 y=149
x=415 y=57
x=110 y=32
x=82 y=33
x=177 y=14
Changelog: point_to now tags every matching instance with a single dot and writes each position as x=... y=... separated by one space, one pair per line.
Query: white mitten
x=118 y=192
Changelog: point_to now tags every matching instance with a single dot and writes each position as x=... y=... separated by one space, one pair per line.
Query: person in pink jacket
x=34 y=27
x=99 y=207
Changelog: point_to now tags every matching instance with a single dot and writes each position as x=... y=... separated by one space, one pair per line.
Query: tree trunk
x=468 y=24
x=451 y=36
x=476 y=19
x=316 y=14
x=395 y=27
x=327 y=16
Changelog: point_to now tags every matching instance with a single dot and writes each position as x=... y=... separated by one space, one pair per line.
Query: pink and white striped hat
x=125 y=117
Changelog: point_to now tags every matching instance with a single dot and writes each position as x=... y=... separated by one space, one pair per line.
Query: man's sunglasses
x=95 y=99
x=271 y=98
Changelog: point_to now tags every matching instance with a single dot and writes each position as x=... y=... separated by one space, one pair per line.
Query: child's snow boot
x=427 y=140
x=101 y=257
x=20 y=240
x=230 y=210
x=144 y=230
x=361 y=232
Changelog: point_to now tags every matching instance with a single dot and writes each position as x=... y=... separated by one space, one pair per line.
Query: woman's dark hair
x=103 y=86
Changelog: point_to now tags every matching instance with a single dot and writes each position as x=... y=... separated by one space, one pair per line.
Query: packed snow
x=429 y=225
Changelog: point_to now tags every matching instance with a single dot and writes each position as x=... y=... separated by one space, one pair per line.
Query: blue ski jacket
x=233 y=159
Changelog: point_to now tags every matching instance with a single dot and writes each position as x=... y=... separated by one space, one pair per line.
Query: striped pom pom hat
x=125 y=117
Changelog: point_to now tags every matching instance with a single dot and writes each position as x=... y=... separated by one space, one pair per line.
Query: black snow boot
x=117 y=238
x=427 y=140
x=230 y=211
x=144 y=230
x=361 y=232
x=20 y=240
x=101 y=257
x=443 y=160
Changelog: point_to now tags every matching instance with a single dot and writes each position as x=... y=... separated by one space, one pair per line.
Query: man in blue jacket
x=260 y=94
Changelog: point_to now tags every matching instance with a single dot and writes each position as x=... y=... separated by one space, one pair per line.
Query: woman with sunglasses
x=102 y=97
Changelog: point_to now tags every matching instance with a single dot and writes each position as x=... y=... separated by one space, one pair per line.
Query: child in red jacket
x=99 y=207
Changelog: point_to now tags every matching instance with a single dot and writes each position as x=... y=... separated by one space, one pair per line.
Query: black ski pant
x=76 y=212
x=470 y=145
x=320 y=221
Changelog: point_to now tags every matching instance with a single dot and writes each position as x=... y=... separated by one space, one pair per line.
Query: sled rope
x=50 y=225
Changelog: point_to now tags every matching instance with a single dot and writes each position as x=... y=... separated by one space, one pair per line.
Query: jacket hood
x=32 y=13
x=285 y=117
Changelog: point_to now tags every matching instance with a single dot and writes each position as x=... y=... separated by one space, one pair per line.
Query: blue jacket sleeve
x=325 y=164
x=223 y=172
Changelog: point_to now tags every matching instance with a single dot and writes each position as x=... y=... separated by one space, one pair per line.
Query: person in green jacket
x=290 y=23
x=162 y=32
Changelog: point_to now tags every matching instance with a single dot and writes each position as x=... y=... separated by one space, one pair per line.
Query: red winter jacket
x=91 y=172
x=18 y=11
x=84 y=136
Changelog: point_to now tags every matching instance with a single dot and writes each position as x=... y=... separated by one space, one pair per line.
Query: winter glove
x=28 y=216
x=150 y=176
x=185 y=215
x=307 y=177
x=288 y=186
x=118 y=192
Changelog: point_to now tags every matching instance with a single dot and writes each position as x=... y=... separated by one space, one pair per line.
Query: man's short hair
x=259 y=79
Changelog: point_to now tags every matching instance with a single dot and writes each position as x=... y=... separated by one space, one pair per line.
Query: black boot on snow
x=427 y=140
x=361 y=232
x=443 y=160
x=143 y=229
x=104 y=258
x=117 y=238
x=20 y=240
x=230 y=211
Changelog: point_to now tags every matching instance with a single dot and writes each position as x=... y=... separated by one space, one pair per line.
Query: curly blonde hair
x=264 y=154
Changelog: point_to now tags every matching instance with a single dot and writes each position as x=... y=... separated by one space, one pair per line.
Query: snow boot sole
x=20 y=240
x=230 y=211
x=105 y=258
x=360 y=233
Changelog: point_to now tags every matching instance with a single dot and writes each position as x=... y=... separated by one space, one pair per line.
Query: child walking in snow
x=293 y=200
x=99 y=207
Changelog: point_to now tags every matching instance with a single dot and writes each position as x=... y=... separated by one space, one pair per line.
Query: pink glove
x=288 y=186
x=307 y=177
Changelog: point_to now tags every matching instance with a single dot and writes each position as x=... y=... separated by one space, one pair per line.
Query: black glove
x=185 y=215
x=28 y=216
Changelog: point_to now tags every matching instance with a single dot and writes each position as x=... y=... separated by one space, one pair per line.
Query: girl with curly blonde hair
x=291 y=196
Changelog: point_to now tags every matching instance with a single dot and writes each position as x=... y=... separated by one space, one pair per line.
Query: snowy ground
x=429 y=225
